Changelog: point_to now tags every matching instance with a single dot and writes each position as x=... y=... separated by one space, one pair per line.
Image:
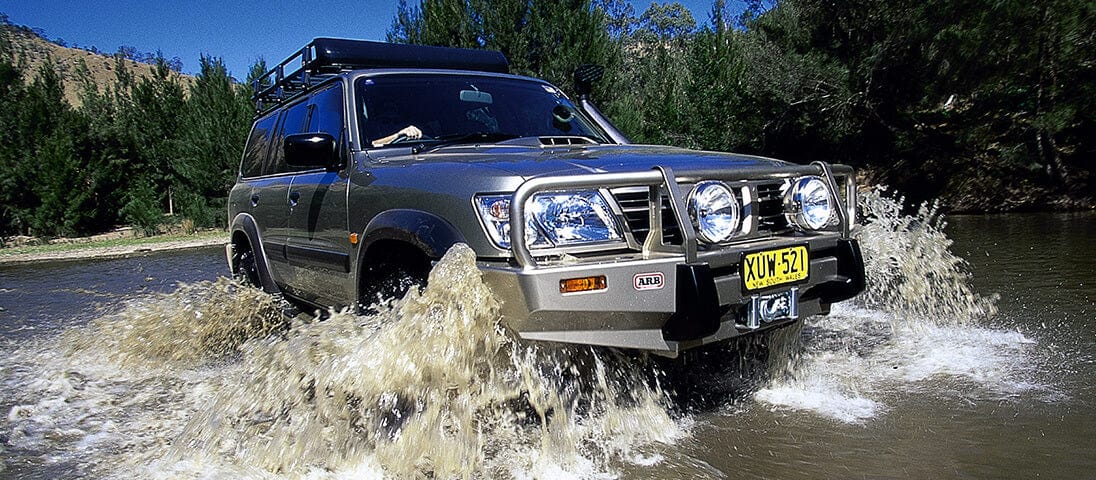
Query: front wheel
x=387 y=281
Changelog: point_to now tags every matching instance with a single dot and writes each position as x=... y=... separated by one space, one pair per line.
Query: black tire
x=245 y=269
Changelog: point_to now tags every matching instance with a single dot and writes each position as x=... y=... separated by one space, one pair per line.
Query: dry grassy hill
x=32 y=49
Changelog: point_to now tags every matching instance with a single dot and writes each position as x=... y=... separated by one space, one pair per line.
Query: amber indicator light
x=584 y=284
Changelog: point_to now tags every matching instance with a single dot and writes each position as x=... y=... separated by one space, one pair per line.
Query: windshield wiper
x=459 y=138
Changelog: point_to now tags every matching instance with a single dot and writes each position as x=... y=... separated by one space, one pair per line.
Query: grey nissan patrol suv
x=367 y=161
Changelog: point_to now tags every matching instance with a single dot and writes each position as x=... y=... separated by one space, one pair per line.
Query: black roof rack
x=325 y=57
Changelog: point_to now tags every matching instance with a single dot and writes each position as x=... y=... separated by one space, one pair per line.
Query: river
x=972 y=356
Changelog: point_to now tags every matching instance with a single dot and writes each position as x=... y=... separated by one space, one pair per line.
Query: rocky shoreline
x=114 y=251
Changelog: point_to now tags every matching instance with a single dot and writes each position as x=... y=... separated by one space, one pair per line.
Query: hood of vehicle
x=530 y=162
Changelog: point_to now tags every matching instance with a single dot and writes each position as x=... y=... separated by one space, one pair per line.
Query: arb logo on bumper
x=649 y=281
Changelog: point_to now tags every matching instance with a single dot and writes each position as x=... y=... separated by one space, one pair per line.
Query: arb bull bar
x=701 y=299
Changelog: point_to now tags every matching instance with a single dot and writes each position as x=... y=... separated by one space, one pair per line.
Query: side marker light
x=584 y=284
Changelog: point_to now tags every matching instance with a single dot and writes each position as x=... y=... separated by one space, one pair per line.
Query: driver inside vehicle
x=410 y=132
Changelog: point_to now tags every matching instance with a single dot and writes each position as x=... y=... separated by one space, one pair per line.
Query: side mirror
x=311 y=150
x=585 y=78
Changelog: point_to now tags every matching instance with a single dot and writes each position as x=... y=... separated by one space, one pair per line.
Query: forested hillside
x=141 y=146
x=77 y=65
x=985 y=105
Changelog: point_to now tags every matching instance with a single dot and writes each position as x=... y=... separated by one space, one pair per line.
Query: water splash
x=115 y=385
x=212 y=380
x=916 y=327
x=194 y=324
x=911 y=270
x=434 y=385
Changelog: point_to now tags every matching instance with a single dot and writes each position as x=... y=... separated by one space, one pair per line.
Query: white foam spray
x=918 y=326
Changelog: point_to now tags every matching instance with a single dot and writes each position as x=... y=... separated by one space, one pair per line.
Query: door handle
x=294 y=198
x=255 y=200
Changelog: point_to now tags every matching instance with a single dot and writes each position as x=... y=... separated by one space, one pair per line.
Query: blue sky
x=239 y=31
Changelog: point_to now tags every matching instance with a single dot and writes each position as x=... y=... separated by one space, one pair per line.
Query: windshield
x=437 y=110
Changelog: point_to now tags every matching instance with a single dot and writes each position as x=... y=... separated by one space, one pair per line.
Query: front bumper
x=699 y=295
x=700 y=303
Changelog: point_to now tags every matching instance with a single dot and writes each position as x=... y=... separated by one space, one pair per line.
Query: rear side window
x=258 y=146
x=320 y=112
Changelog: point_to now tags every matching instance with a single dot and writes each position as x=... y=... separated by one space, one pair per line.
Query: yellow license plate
x=775 y=267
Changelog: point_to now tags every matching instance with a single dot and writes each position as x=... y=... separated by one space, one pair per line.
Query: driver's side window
x=327 y=112
x=293 y=121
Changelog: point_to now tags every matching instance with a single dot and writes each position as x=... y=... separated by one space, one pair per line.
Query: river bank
x=117 y=244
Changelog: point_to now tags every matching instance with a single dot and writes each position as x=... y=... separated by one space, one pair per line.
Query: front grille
x=633 y=203
x=768 y=210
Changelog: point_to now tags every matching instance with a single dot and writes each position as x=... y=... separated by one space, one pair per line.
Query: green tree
x=257 y=70
x=217 y=119
x=42 y=119
x=548 y=39
x=722 y=117
x=153 y=122
x=13 y=145
x=133 y=151
x=104 y=149
x=972 y=101
x=655 y=74
x=438 y=22
x=666 y=22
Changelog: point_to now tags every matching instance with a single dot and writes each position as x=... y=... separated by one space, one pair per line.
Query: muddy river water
x=973 y=355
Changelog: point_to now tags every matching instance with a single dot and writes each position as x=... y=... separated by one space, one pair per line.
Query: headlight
x=554 y=219
x=573 y=218
x=714 y=211
x=809 y=204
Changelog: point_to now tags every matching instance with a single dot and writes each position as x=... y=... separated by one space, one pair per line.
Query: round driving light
x=715 y=212
x=809 y=204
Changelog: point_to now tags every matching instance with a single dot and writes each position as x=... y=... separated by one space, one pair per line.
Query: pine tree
x=217 y=119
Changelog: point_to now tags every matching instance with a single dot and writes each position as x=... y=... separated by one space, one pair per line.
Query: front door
x=318 y=244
